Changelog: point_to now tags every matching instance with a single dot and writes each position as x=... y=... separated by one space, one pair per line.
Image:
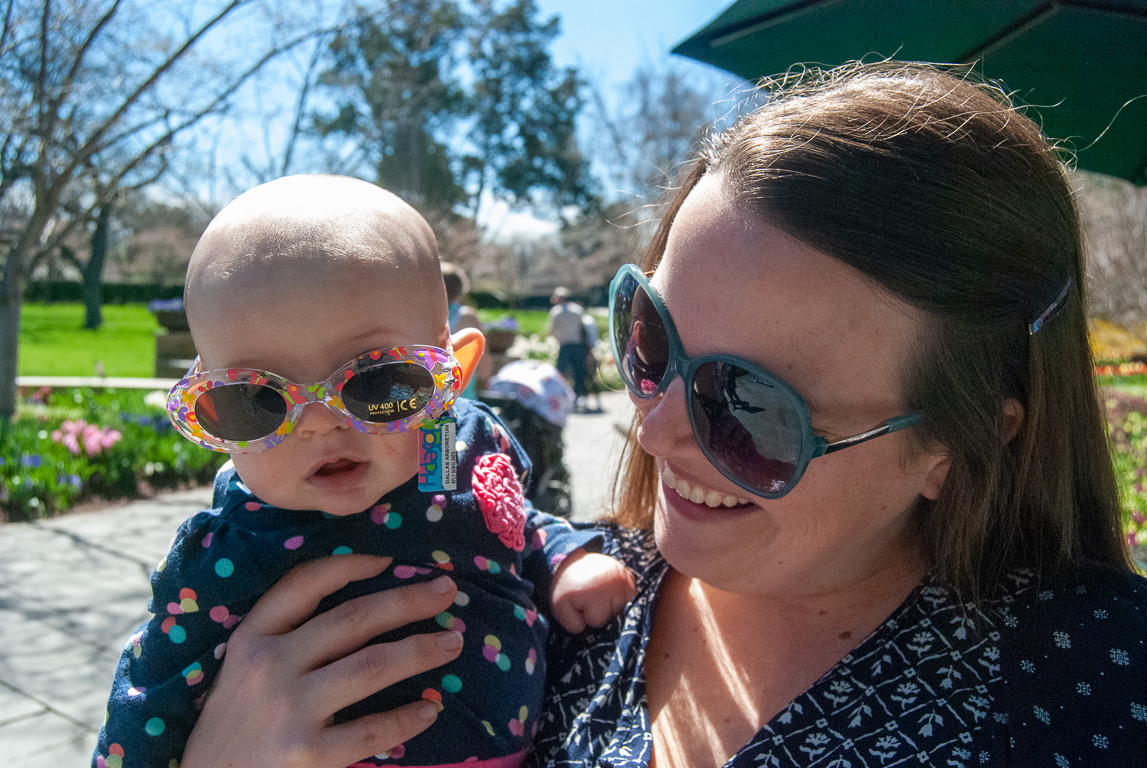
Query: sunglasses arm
x=895 y=424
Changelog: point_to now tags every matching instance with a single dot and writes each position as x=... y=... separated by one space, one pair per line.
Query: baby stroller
x=534 y=400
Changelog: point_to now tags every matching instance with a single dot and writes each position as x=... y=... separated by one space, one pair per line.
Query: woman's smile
x=697 y=493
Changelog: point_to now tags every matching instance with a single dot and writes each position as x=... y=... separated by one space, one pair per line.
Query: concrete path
x=73 y=588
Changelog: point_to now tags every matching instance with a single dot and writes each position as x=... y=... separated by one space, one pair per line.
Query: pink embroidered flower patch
x=499 y=496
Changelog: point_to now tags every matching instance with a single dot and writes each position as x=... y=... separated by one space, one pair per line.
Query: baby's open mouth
x=336 y=467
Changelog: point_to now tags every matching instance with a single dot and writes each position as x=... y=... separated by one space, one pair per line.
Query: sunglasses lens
x=749 y=427
x=641 y=343
x=389 y=392
x=240 y=412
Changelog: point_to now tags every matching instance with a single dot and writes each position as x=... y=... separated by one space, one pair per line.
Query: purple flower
x=72 y=480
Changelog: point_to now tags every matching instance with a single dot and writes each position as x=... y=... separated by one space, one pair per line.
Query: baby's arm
x=167 y=667
x=589 y=589
x=164 y=668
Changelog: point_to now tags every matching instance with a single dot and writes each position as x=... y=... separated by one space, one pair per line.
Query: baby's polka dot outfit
x=496 y=547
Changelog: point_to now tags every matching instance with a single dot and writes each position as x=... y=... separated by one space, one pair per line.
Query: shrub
x=1127 y=417
x=1112 y=342
x=70 y=445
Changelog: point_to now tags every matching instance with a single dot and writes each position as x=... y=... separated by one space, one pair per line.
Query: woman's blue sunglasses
x=752 y=426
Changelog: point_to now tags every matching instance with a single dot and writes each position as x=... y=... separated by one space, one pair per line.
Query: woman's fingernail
x=428 y=712
x=441 y=585
x=450 y=641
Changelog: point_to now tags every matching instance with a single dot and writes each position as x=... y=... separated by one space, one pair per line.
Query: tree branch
x=42 y=74
x=300 y=107
x=81 y=53
x=93 y=141
x=7 y=26
x=129 y=131
x=70 y=256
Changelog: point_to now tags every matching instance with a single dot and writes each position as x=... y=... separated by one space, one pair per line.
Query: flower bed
x=1134 y=368
x=1127 y=417
x=67 y=446
x=1113 y=342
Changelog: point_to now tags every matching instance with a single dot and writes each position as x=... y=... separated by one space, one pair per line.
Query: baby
x=291 y=281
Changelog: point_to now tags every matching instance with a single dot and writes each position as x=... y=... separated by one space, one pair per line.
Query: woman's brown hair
x=941 y=191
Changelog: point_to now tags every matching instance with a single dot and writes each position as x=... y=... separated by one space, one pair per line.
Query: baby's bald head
x=289 y=234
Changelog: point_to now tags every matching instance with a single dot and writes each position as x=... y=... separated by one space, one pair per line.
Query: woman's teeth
x=697 y=494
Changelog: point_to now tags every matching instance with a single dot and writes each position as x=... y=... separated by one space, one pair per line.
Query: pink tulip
x=95 y=439
x=71 y=443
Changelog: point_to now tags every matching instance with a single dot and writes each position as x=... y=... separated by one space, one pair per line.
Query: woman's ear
x=469 y=344
x=1013 y=418
x=936 y=475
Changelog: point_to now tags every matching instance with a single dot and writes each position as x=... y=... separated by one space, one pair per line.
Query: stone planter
x=172 y=319
x=174 y=350
x=498 y=340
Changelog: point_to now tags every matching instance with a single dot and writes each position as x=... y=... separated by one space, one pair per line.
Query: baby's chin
x=334 y=505
x=338 y=480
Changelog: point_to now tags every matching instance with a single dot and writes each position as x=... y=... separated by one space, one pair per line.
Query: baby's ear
x=469 y=344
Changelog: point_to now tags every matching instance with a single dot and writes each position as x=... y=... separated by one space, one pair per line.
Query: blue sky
x=607 y=39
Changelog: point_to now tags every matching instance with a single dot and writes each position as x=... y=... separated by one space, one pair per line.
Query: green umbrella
x=1082 y=64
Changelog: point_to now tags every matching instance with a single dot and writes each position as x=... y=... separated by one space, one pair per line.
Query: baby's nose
x=319 y=417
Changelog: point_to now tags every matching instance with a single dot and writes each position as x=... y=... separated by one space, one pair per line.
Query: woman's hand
x=284 y=676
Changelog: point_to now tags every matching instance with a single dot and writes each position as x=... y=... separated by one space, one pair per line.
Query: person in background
x=565 y=325
x=592 y=382
x=463 y=316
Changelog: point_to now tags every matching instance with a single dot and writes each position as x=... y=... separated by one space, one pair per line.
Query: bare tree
x=661 y=114
x=283 y=95
x=92 y=94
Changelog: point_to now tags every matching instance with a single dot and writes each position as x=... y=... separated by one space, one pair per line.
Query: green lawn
x=54 y=343
x=1135 y=385
x=530 y=321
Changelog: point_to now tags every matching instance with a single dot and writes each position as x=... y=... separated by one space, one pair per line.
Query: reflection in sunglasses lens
x=645 y=341
x=241 y=412
x=747 y=426
x=387 y=393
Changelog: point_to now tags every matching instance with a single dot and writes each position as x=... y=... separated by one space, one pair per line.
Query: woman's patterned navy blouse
x=1042 y=674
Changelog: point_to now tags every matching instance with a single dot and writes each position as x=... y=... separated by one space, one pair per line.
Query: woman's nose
x=665 y=427
x=318 y=418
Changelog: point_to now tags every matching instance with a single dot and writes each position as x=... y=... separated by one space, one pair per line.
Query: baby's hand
x=590 y=589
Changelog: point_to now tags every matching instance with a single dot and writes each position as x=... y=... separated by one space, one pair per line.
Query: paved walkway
x=73 y=588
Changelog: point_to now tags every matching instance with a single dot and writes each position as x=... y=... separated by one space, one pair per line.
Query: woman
x=883 y=265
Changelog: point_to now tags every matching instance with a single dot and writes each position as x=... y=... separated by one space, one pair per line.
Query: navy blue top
x=1051 y=674
x=223 y=559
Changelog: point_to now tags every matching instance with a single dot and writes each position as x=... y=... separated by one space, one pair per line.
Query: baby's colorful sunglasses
x=752 y=426
x=242 y=410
